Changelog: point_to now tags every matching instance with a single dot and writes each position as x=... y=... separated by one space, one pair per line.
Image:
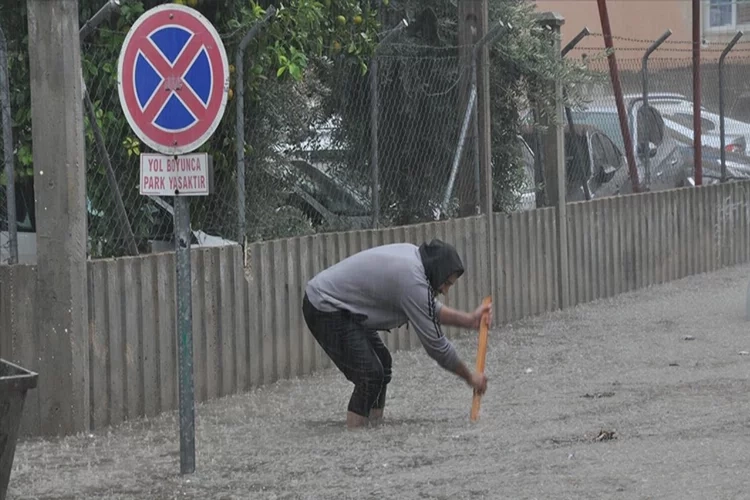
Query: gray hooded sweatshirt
x=390 y=285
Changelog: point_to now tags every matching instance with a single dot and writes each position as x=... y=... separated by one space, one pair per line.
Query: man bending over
x=380 y=289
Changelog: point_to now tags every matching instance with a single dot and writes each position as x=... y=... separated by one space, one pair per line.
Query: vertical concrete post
x=554 y=166
x=473 y=25
x=483 y=114
x=60 y=191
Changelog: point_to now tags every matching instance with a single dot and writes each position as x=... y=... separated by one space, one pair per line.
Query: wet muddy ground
x=642 y=396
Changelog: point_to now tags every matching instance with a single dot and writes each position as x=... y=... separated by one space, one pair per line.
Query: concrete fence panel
x=526 y=256
x=19 y=338
x=617 y=245
x=248 y=328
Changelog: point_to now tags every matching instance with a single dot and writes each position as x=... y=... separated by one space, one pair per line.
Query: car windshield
x=606 y=121
x=681 y=112
x=686 y=120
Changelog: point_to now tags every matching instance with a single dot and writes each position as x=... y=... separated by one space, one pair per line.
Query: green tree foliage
x=278 y=108
x=282 y=89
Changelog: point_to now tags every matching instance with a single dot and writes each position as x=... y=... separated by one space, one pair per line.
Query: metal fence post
x=10 y=186
x=568 y=113
x=460 y=148
x=722 y=131
x=471 y=111
x=554 y=168
x=644 y=78
x=88 y=28
x=374 y=104
x=102 y=14
x=487 y=39
x=374 y=167
x=240 y=121
x=697 y=124
x=619 y=99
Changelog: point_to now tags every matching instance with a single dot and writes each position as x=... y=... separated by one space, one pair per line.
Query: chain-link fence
x=661 y=134
x=121 y=220
x=420 y=113
x=6 y=184
x=350 y=147
x=10 y=212
x=395 y=132
x=309 y=152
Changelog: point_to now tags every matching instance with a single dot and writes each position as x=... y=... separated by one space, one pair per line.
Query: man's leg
x=345 y=341
x=367 y=388
x=376 y=413
x=354 y=421
x=368 y=374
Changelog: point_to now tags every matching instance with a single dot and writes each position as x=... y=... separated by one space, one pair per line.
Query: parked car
x=738 y=166
x=646 y=130
x=677 y=111
x=601 y=116
x=25 y=224
x=324 y=198
x=660 y=150
x=527 y=194
x=595 y=165
x=26 y=227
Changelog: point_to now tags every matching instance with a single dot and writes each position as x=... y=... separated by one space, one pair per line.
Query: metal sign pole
x=183 y=127
x=185 y=334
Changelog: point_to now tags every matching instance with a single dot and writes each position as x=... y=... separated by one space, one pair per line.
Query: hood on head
x=440 y=260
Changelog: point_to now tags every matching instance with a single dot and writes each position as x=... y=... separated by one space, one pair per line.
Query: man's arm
x=424 y=313
x=453 y=317
x=442 y=350
x=450 y=316
x=463 y=371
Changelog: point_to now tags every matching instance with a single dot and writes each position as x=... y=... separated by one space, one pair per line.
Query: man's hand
x=453 y=317
x=478 y=382
x=476 y=316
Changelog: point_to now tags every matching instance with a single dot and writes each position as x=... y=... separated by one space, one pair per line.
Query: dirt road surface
x=642 y=396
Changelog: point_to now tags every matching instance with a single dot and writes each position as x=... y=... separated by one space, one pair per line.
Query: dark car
x=594 y=164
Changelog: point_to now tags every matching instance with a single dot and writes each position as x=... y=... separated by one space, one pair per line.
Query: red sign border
x=173 y=143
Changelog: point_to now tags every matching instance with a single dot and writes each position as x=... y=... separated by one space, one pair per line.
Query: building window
x=743 y=12
x=723 y=15
x=720 y=14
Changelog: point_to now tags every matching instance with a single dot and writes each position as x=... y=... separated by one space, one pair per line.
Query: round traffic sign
x=173 y=78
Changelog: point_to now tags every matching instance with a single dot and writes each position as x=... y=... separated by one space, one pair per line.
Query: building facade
x=636 y=23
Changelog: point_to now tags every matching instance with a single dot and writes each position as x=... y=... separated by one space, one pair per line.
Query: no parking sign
x=173 y=79
x=173 y=84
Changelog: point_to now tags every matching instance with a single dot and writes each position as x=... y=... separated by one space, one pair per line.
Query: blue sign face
x=175 y=115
